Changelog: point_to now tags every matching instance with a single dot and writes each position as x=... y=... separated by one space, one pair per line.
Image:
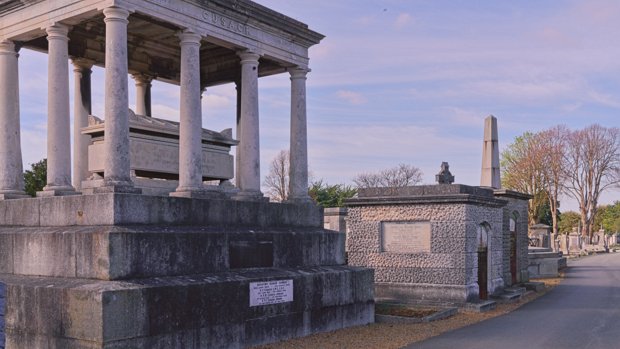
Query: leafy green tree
x=543 y=213
x=522 y=170
x=35 y=178
x=608 y=217
x=568 y=220
x=327 y=195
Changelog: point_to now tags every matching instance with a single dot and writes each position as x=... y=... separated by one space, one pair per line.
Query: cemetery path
x=582 y=312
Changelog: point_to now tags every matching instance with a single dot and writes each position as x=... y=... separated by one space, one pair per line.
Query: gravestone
x=574 y=242
x=541 y=234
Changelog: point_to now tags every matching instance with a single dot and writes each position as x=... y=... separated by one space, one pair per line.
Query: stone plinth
x=423 y=241
x=124 y=270
x=544 y=263
x=126 y=252
x=197 y=311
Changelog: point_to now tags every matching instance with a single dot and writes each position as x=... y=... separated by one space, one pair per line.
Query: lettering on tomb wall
x=226 y=23
x=238 y=27
x=271 y=292
x=406 y=237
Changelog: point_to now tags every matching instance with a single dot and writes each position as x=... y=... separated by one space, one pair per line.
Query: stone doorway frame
x=514 y=218
x=482 y=270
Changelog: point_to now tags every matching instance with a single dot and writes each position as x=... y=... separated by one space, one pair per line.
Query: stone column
x=81 y=111
x=190 y=128
x=11 y=180
x=238 y=154
x=58 y=121
x=249 y=144
x=298 y=168
x=143 y=94
x=117 y=176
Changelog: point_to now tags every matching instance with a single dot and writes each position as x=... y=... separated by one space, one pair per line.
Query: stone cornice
x=265 y=15
x=427 y=194
x=425 y=200
x=505 y=193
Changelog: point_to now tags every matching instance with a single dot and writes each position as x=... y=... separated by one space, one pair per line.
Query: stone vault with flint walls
x=438 y=243
x=95 y=261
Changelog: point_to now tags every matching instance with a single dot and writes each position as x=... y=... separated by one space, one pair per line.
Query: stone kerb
x=2 y=314
x=441 y=265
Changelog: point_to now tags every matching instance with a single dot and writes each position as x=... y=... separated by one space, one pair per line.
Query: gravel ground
x=388 y=336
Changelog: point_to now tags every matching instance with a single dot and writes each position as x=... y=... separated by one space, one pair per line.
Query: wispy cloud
x=402 y=20
x=351 y=97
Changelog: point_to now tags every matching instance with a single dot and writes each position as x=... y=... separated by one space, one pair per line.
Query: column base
x=300 y=200
x=13 y=194
x=244 y=195
x=206 y=193
x=125 y=189
x=57 y=191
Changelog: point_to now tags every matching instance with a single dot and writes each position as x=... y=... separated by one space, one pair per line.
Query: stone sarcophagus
x=154 y=153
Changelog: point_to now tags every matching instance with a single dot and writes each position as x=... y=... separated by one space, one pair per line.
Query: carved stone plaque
x=406 y=237
x=271 y=292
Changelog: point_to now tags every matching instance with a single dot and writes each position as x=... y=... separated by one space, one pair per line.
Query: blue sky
x=398 y=81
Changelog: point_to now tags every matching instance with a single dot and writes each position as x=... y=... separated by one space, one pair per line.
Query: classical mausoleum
x=135 y=250
x=443 y=243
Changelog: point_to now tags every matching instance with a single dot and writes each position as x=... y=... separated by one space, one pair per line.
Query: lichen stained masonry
x=226 y=23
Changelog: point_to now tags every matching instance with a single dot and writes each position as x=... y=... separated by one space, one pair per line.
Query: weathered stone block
x=122 y=209
x=122 y=252
x=187 y=310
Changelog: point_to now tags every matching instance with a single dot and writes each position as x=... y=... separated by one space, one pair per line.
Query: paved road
x=582 y=312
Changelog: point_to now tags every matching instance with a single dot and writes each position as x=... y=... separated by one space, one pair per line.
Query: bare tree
x=400 y=176
x=522 y=171
x=277 y=180
x=553 y=143
x=593 y=162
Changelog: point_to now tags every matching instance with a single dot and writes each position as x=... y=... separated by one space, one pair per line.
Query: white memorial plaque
x=271 y=292
x=406 y=237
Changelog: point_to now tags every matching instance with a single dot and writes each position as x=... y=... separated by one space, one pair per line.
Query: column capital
x=114 y=13
x=142 y=79
x=8 y=47
x=57 y=31
x=248 y=57
x=189 y=37
x=79 y=64
x=298 y=72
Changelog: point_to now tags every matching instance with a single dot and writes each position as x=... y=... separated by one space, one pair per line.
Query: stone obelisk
x=490 y=155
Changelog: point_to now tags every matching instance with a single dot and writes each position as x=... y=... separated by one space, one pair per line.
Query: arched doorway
x=513 y=247
x=483 y=260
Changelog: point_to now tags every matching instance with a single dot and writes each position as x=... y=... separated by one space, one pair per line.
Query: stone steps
x=480 y=307
x=510 y=294
x=534 y=286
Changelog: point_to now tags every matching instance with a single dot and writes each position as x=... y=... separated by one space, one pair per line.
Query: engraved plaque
x=271 y=292
x=406 y=237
